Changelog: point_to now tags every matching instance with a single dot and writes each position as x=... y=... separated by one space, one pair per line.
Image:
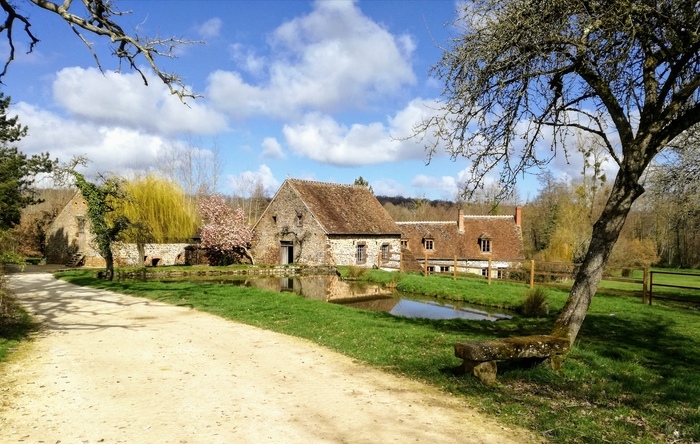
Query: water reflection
x=369 y=297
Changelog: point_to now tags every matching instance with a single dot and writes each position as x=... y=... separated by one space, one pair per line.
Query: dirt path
x=112 y=368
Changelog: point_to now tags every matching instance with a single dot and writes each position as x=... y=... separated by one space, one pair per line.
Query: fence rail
x=683 y=287
x=624 y=281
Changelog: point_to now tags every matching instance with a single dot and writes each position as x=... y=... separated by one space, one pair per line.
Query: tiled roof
x=345 y=209
x=505 y=235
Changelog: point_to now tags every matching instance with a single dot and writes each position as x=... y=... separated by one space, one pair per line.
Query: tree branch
x=100 y=21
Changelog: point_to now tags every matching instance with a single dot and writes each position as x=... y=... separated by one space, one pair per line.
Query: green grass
x=631 y=377
x=15 y=325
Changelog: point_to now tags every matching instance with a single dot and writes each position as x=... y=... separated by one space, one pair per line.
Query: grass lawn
x=15 y=325
x=632 y=376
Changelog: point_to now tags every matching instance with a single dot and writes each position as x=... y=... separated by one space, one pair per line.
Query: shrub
x=356 y=272
x=535 y=303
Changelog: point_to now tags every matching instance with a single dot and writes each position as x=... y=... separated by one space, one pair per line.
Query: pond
x=363 y=296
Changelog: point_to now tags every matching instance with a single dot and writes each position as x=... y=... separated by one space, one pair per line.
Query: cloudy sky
x=326 y=90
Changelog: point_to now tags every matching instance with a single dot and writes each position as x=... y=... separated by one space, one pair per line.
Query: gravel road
x=110 y=368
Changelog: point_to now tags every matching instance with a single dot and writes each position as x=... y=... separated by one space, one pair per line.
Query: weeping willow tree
x=158 y=210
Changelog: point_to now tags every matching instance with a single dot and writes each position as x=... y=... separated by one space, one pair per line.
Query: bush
x=356 y=272
x=535 y=303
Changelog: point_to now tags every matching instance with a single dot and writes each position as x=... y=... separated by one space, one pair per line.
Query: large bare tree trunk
x=605 y=234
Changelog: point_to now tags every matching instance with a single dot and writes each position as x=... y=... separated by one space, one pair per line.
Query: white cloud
x=323 y=139
x=446 y=187
x=109 y=149
x=248 y=59
x=388 y=187
x=263 y=176
x=333 y=58
x=272 y=148
x=211 y=28
x=123 y=100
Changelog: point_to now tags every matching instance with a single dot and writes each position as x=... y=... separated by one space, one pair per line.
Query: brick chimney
x=519 y=216
x=460 y=221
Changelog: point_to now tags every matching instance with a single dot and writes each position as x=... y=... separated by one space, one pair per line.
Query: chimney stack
x=519 y=216
x=460 y=221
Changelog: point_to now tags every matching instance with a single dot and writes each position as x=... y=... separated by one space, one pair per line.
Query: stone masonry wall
x=155 y=254
x=343 y=250
x=281 y=222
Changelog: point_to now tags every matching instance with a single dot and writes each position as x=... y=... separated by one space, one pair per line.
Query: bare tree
x=249 y=194
x=99 y=18
x=197 y=169
x=523 y=73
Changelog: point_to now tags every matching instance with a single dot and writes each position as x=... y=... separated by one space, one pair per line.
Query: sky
x=326 y=90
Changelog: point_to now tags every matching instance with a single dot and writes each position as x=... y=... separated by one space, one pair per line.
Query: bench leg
x=554 y=361
x=483 y=371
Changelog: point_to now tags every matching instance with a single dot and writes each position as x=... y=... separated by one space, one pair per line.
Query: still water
x=365 y=296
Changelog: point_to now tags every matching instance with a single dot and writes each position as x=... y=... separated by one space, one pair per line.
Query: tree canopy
x=158 y=211
x=17 y=171
x=526 y=74
x=224 y=231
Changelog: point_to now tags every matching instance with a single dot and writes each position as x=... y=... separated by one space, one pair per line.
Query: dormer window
x=485 y=243
x=429 y=244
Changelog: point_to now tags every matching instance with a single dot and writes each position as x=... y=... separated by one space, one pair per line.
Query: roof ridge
x=317 y=182
x=416 y=222
x=485 y=216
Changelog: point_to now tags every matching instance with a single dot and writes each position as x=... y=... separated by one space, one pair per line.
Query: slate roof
x=505 y=235
x=345 y=209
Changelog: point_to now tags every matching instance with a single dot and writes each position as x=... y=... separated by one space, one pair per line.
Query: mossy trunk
x=606 y=231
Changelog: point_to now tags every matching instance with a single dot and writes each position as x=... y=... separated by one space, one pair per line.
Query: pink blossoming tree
x=224 y=232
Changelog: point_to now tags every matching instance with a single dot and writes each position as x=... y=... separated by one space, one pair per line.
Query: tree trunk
x=141 y=251
x=109 y=265
x=605 y=234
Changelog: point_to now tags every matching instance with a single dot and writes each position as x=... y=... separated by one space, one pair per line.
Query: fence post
x=454 y=270
x=425 y=263
x=651 y=286
x=644 y=285
x=532 y=274
x=401 y=261
x=489 y=272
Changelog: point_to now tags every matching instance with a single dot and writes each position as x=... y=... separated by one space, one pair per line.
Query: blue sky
x=324 y=90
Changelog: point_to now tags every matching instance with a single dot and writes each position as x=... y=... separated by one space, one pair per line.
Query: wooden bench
x=480 y=357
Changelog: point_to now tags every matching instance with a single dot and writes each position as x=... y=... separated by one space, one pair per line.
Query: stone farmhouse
x=472 y=240
x=69 y=241
x=316 y=223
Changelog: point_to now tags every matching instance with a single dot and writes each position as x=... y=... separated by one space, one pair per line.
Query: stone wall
x=127 y=255
x=343 y=250
x=66 y=234
x=287 y=219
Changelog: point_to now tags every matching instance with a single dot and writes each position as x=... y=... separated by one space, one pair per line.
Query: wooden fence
x=623 y=281
x=667 y=285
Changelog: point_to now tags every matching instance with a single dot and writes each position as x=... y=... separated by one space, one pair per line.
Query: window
x=300 y=220
x=404 y=243
x=429 y=244
x=274 y=220
x=361 y=254
x=485 y=245
x=484 y=272
x=385 y=252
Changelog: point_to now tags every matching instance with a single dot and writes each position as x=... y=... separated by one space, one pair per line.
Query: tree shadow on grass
x=649 y=356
